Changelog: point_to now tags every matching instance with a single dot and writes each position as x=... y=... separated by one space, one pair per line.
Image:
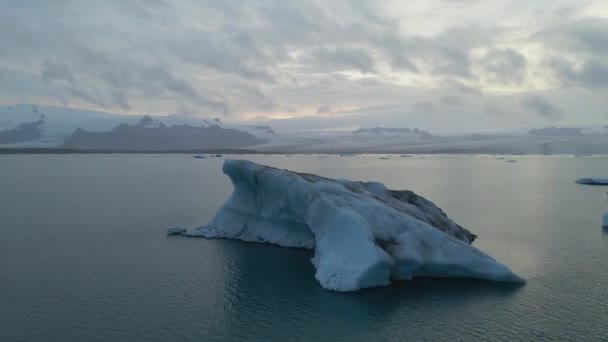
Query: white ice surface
x=363 y=234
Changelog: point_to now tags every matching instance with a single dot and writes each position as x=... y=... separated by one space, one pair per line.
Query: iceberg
x=175 y=231
x=592 y=181
x=363 y=234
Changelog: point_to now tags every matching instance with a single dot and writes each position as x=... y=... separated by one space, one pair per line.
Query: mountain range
x=25 y=125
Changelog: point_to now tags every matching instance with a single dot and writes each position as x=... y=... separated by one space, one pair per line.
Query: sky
x=439 y=65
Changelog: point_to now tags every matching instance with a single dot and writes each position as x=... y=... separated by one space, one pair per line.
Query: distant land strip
x=51 y=150
x=447 y=150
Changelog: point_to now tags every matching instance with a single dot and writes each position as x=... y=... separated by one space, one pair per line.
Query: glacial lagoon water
x=84 y=255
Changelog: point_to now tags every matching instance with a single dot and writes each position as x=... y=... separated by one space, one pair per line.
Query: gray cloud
x=424 y=106
x=278 y=57
x=504 y=66
x=104 y=83
x=56 y=72
x=592 y=73
x=250 y=94
x=459 y=87
x=84 y=95
x=449 y=53
x=120 y=100
x=539 y=105
x=493 y=109
x=225 y=45
x=455 y=3
x=343 y=57
x=452 y=100
x=585 y=36
x=324 y=109
x=578 y=52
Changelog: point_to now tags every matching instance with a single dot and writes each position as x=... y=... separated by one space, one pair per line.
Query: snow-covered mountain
x=153 y=135
x=61 y=122
x=23 y=132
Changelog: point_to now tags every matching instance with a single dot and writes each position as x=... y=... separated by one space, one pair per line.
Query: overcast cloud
x=443 y=65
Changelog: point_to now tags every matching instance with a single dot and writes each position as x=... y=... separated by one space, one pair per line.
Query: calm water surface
x=84 y=256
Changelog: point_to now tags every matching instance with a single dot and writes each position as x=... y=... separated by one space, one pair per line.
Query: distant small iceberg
x=175 y=231
x=511 y=161
x=592 y=181
x=199 y=157
x=605 y=222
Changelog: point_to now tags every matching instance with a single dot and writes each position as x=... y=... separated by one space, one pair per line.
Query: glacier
x=363 y=234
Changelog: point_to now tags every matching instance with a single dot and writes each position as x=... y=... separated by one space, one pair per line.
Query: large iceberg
x=362 y=233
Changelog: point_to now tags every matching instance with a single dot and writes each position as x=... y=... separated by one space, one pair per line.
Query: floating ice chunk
x=592 y=181
x=176 y=231
x=363 y=234
x=540 y=333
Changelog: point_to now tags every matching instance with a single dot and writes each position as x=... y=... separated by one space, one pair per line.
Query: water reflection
x=83 y=255
x=272 y=292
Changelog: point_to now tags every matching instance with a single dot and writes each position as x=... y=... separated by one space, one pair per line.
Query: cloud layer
x=439 y=65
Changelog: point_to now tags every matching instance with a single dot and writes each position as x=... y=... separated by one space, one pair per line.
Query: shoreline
x=51 y=150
